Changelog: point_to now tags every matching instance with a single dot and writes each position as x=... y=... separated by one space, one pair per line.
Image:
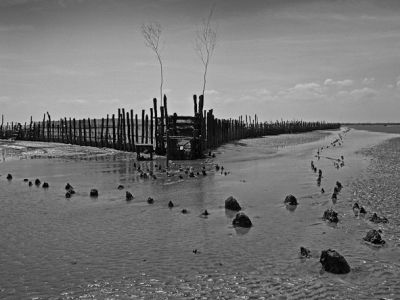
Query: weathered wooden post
x=142 y=123
x=151 y=126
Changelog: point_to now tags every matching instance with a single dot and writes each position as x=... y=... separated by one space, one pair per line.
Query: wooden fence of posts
x=125 y=130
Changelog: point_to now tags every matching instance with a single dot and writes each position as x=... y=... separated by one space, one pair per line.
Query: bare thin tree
x=206 y=39
x=152 y=33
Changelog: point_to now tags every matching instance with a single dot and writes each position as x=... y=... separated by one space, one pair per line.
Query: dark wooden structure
x=178 y=137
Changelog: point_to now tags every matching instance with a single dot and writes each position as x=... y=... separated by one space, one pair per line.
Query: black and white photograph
x=199 y=149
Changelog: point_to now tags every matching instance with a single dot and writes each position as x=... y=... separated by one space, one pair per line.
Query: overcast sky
x=334 y=60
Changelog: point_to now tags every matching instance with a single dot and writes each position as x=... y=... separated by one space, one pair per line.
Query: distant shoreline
x=375 y=127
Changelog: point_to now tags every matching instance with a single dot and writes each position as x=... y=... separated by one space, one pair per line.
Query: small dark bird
x=45 y=185
x=9 y=177
x=30 y=183
x=26 y=180
x=170 y=204
x=205 y=213
x=68 y=186
x=322 y=191
x=120 y=187
x=68 y=194
x=184 y=211
x=150 y=200
x=94 y=193
x=37 y=182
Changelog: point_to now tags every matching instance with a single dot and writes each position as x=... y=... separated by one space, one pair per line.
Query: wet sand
x=52 y=247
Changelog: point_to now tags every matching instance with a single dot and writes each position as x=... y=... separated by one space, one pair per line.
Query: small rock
x=170 y=204
x=94 y=193
x=333 y=262
x=290 y=200
x=232 y=204
x=374 y=237
x=128 y=196
x=9 y=177
x=242 y=220
x=120 y=187
x=150 y=200
x=376 y=219
x=331 y=216
x=304 y=252
x=45 y=185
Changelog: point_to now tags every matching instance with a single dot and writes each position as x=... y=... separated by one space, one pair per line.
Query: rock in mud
x=333 y=262
x=242 y=220
x=128 y=196
x=304 y=252
x=374 y=237
x=205 y=213
x=290 y=200
x=232 y=204
x=94 y=193
x=376 y=219
x=331 y=216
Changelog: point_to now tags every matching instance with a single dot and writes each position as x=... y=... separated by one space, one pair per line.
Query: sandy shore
x=106 y=247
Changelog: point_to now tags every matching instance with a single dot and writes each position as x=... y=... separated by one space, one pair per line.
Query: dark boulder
x=9 y=177
x=339 y=185
x=150 y=200
x=242 y=220
x=128 y=196
x=45 y=185
x=333 y=262
x=376 y=219
x=304 y=252
x=232 y=204
x=94 y=193
x=374 y=237
x=290 y=200
x=37 y=182
x=330 y=215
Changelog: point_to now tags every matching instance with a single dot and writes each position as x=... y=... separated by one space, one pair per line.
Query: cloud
x=398 y=82
x=4 y=99
x=211 y=92
x=339 y=83
x=73 y=101
x=359 y=94
x=11 y=28
x=302 y=91
x=368 y=81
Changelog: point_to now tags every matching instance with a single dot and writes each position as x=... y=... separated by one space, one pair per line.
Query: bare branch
x=206 y=39
x=152 y=33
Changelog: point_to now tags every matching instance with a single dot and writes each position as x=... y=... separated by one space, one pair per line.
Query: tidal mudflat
x=106 y=247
